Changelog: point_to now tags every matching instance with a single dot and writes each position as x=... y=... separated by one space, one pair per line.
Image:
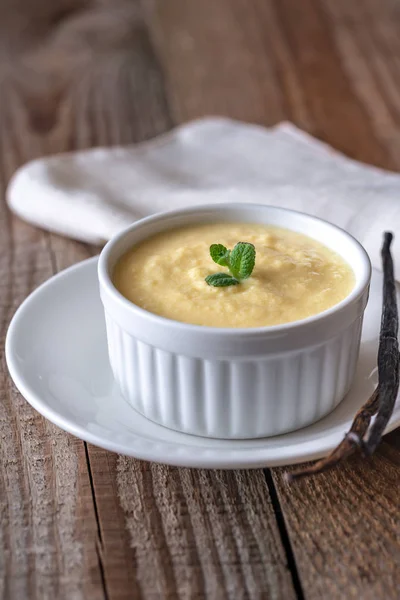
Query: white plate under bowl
x=56 y=352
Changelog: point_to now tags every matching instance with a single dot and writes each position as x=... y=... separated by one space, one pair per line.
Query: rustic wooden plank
x=261 y=62
x=117 y=551
x=48 y=527
x=50 y=544
x=367 y=43
x=214 y=61
x=344 y=528
x=169 y=533
x=320 y=53
x=200 y=534
x=344 y=124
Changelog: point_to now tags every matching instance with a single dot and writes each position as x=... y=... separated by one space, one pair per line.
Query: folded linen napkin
x=90 y=195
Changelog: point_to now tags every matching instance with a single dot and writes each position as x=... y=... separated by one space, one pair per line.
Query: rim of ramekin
x=106 y=283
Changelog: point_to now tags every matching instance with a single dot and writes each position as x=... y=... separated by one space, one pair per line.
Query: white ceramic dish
x=56 y=352
x=234 y=383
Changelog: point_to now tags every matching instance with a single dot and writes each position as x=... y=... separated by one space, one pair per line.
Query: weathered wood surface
x=80 y=522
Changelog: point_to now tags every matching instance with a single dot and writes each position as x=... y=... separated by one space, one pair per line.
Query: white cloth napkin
x=90 y=195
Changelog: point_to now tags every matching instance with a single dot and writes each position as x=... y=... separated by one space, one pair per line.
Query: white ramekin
x=234 y=383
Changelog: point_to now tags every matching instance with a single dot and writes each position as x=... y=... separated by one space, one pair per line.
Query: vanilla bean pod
x=388 y=353
x=384 y=397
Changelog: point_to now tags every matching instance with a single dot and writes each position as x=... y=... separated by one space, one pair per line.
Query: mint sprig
x=220 y=254
x=221 y=280
x=240 y=262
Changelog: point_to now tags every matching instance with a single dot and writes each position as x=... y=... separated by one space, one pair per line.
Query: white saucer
x=57 y=356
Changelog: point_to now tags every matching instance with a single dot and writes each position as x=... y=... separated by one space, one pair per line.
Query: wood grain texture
x=345 y=528
x=77 y=521
x=202 y=534
x=55 y=95
x=47 y=524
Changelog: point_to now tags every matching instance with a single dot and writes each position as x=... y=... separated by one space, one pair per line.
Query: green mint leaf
x=219 y=254
x=221 y=280
x=242 y=260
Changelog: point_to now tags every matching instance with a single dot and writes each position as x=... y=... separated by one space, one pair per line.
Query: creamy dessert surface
x=294 y=276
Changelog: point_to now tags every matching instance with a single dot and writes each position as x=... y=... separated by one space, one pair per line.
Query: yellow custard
x=294 y=276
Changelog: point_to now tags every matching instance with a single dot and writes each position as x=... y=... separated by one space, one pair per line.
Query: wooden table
x=78 y=522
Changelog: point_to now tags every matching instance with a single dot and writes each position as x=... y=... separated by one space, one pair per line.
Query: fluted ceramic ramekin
x=234 y=383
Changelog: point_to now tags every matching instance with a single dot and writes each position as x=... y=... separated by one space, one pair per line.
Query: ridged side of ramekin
x=247 y=398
